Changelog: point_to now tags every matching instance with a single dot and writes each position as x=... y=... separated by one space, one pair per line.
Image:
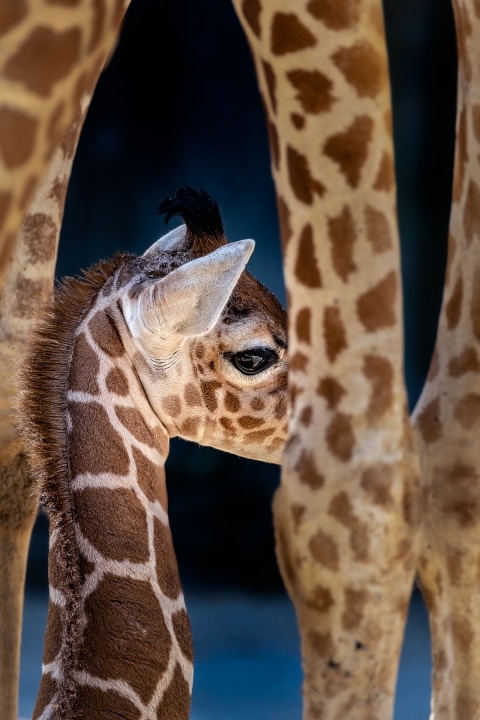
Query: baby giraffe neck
x=118 y=638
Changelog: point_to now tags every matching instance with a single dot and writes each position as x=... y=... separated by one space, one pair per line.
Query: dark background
x=178 y=104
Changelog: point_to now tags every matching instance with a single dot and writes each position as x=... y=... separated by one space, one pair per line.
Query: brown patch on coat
x=453 y=307
x=379 y=372
x=340 y=438
x=349 y=149
x=343 y=236
x=334 y=332
x=322 y=644
x=331 y=390
x=378 y=230
x=308 y=473
x=137 y=647
x=132 y=420
x=257 y=404
x=306 y=267
x=429 y=422
x=376 y=307
x=44 y=58
x=5 y=204
x=461 y=155
x=177 y=695
x=114 y=522
x=208 y=389
x=298 y=120
x=150 y=478
x=116 y=382
x=12 y=14
x=247 y=422
x=84 y=367
x=363 y=68
x=354 y=605
x=271 y=83
x=231 y=402
x=475 y=305
x=471 y=212
x=325 y=550
x=467 y=411
x=192 y=395
x=314 y=90
x=335 y=15
x=377 y=483
x=303 y=324
x=172 y=405
x=18 y=132
x=274 y=142
x=105 y=334
x=91 y=699
x=46 y=694
x=28 y=294
x=476 y=121
x=298 y=362
x=463 y=363
x=386 y=174
x=183 y=633
x=189 y=427
x=53 y=634
x=289 y=34
x=320 y=599
x=306 y=416
x=40 y=238
x=166 y=562
x=97 y=24
x=95 y=446
x=302 y=183
x=341 y=509
x=251 y=10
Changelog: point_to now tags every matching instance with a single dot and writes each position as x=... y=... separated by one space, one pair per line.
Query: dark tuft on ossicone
x=199 y=211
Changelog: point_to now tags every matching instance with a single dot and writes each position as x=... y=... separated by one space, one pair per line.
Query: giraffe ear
x=188 y=301
x=169 y=242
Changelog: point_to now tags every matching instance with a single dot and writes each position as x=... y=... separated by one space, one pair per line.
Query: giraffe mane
x=42 y=409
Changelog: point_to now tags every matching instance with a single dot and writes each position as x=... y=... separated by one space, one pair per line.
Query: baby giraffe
x=138 y=350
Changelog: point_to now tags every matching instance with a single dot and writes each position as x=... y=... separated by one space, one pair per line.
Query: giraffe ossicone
x=180 y=341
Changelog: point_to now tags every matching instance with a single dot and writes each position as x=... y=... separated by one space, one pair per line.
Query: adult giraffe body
x=347 y=515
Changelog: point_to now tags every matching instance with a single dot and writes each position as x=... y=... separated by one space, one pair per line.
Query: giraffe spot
x=340 y=438
x=44 y=58
x=467 y=411
x=298 y=511
x=341 y=509
x=324 y=550
x=353 y=608
x=11 y=14
x=166 y=562
x=40 y=238
x=260 y=436
x=29 y=294
x=429 y=422
x=116 y=382
x=250 y=423
x=84 y=367
x=306 y=416
x=331 y=390
x=453 y=308
x=349 y=149
x=298 y=121
x=462 y=21
x=333 y=332
x=189 y=427
x=251 y=10
x=301 y=181
x=335 y=15
x=476 y=7
x=105 y=334
x=377 y=483
x=274 y=143
x=306 y=268
x=378 y=230
x=135 y=649
x=91 y=698
x=55 y=128
x=97 y=24
x=231 y=402
x=58 y=191
x=114 y=522
x=46 y=695
x=322 y=644
x=53 y=635
x=289 y=35
x=307 y=471
x=466 y=706
x=476 y=121
x=463 y=635
x=386 y=174
x=376 y=307
x=271 y=83
x=192 y=395
x=171 y=405
x=461 y=155
x=284 y=221
x=303 y=325
x=281 y=407
x=177 y=695
x=379 y=372
x=200 y=351
x=467 y=361
x=475 y=306
x=298 y=362
x=183 y=633
x=257 y=404
x=362 y=67
x=208 y=388
x=150 y=478
x=343 y=235
x=102 y=453
x=5 y=204
x=320 y=599
x=314 y=90
x=227 y=424
x=133 y=421
x=17 y=136
x=471 y=212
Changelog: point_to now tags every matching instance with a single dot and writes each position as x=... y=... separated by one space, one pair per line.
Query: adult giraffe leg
x=447 y=418
x=347 y=513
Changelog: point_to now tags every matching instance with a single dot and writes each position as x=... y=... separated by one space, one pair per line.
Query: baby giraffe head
x=208 y=341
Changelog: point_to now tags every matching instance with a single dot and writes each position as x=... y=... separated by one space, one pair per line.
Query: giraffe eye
x=251 y=362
